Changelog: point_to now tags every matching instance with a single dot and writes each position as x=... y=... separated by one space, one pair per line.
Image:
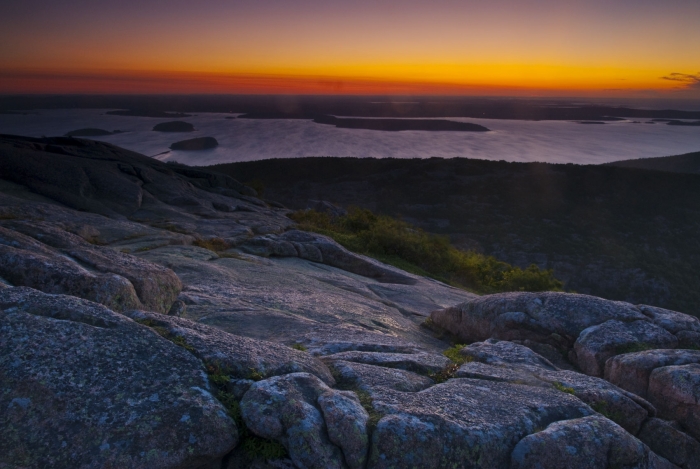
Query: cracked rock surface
x=159 y=316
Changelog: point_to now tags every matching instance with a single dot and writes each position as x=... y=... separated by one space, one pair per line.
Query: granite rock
x=83 y=386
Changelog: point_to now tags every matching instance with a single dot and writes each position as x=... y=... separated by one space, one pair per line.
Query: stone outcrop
x=147 y=284
x=597 y=441
x=82 y=386
x=320 y=427
x=176 y=321
x=587 y=330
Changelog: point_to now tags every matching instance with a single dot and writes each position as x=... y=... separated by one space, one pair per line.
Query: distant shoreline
x=310 y=107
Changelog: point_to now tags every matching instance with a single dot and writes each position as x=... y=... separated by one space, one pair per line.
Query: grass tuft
x=299 y=347
x=397 y=243
x=454 y=354
x=560 y=387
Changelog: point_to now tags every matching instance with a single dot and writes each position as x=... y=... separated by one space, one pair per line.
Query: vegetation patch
x=212 y=244
x=560 y=387
x=454 y=354
x=299 y=347
x=397 y=243
x=366 y=402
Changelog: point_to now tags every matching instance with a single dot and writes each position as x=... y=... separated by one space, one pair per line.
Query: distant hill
x=610 y=231
x=687 y=163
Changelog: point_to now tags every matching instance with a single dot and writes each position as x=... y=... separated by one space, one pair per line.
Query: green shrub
x=402 y=245
x=453 y=353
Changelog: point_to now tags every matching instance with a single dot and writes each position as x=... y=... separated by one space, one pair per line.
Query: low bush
x=397 y=243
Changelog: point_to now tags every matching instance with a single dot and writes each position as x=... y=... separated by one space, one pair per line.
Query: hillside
x=620 y=233
x=688 y=163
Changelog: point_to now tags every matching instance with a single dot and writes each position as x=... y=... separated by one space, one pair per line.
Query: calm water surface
x=252 y=139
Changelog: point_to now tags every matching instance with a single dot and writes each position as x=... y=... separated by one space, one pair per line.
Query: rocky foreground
x=159 y=316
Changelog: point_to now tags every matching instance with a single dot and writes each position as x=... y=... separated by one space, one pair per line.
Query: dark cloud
x=685 y=79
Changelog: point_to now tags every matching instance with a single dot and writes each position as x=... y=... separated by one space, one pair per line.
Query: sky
x=596 y=48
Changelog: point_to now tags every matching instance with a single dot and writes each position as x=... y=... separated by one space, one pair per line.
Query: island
x=90 y=132
x=174 y=126
x=395 y=125
x=194 y=144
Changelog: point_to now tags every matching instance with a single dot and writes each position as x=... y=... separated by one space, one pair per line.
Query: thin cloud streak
x=687 y=80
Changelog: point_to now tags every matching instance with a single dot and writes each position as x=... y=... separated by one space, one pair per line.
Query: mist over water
x=255 y=139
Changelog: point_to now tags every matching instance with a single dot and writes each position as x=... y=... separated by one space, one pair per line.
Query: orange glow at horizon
x=500 y=47
x=488 y=80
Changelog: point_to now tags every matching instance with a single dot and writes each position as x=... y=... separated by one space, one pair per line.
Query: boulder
x=587 y=329
x=513 y=363
x=82 y=386
x=668 y=440
x=584 y=443
x=232 y=355
x=320 y=427
x=463 y=423
x=598 y=343
x=631 y=371
x=156 y=287
x=346 y=423
x=549 y=317
x=26 y=262
x=673 y=321
x=675 y=391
